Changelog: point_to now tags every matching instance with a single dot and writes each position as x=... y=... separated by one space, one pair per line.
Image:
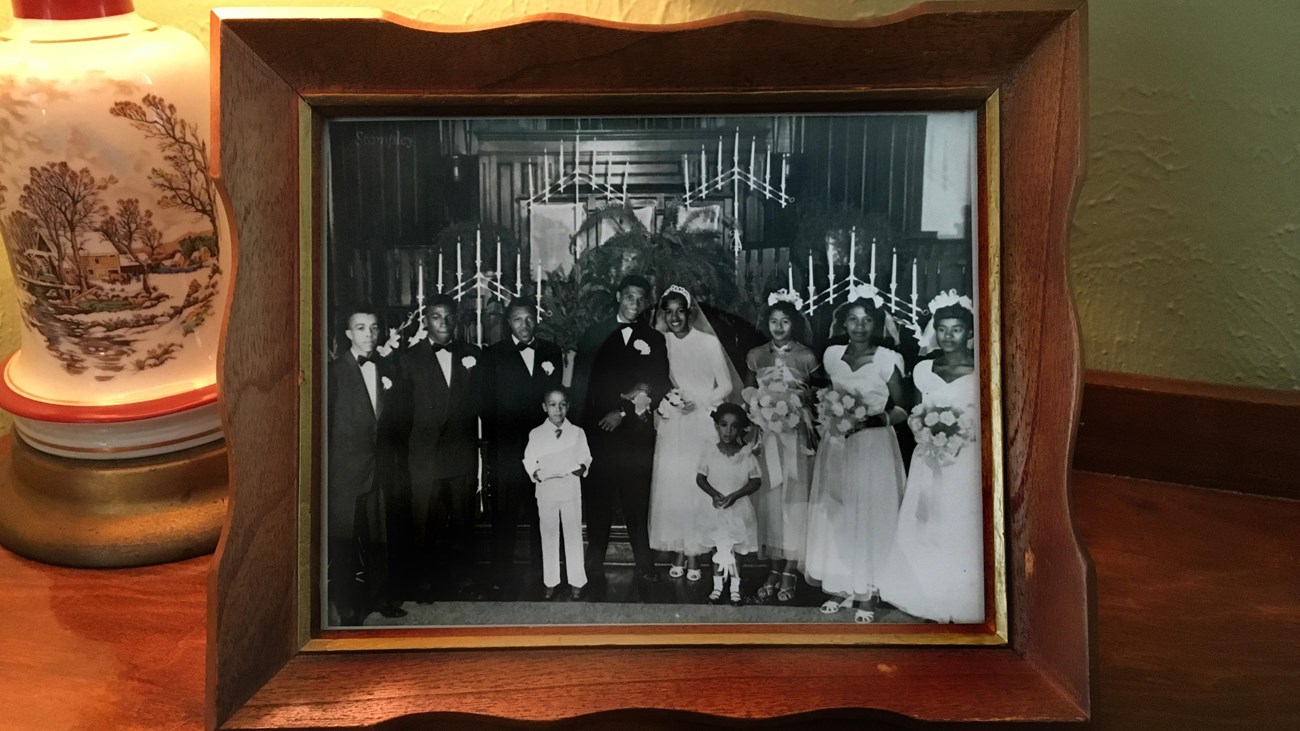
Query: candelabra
x=480 y=284
x=904 y=311
x=736 y=175
x=557 y=182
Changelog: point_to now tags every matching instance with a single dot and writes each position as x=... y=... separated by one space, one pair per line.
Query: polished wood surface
x=1226 y=437
x=1027 y=53
x=1198 y=628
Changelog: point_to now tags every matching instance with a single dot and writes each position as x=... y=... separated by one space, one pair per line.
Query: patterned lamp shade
x=115 y=235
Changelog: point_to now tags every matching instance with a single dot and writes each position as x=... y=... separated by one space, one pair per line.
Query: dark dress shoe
x=575 y=593
x=549 y=593
x=392 y=612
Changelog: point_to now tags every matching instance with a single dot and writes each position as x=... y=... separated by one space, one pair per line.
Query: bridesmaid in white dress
x=936 y=570
x=858 y=481
x=699 y=369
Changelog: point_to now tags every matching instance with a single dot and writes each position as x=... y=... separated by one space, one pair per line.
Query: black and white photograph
x=653 y=371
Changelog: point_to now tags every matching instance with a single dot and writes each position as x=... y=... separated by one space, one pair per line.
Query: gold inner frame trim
x=311 y=291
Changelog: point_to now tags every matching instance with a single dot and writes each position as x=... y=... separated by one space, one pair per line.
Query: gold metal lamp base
x=102 y=514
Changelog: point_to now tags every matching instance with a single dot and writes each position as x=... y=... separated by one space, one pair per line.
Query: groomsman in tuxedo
x=517 y=372
x=623 y=362
x=442 y=386
x=362 y=453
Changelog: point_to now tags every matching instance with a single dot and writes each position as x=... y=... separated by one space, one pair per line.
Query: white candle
x=625 y=181
x=538 y=284
x=853 y=252
x=785 y=170
x=893 y=273
x=519 y=276
x=719 y=163
x=546 y=175
x=752 y=142
x=419 y=283
x=873 y=261
x=499 y=277
x=560 y=173
x=913 y=283
x=789 y=287
x=460 y=270
x=532 y=190
x=767 y=170
x=830 y=270
x=812 y=288
x=735 y=150
x=704 y=171
x=439 y=272
x=478 y=250
x=686 y=174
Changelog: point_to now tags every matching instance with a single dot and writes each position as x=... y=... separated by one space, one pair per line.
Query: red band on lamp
x=70 y=9
x=24 y=406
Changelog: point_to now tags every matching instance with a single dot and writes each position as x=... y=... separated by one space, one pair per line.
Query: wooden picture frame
x=280 y=75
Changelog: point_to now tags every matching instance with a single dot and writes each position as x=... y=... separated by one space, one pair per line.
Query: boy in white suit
x=556 y=457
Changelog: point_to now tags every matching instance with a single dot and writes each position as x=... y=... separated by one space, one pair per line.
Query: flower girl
x=728 y=473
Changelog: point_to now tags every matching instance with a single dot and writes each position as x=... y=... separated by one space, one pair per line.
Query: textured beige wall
x=1186 y=241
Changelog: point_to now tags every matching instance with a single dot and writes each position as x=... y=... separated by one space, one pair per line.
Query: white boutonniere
x=547 y=367
x=468 y=361
x=388 y=382
x=641 y=347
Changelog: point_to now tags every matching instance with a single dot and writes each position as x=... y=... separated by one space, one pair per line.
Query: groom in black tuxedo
x=517 y=373
x=441 y=377
x=623 y=362
x=360 y=481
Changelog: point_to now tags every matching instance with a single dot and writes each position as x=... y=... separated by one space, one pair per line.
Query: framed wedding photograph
x=608 y=353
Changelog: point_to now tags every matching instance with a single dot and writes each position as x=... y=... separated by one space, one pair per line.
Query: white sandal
x=676 y=572
x=864 y=616
x=831 y=606
x=694 y=575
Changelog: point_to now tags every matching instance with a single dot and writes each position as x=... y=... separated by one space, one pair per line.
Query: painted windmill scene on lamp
x=479 y=272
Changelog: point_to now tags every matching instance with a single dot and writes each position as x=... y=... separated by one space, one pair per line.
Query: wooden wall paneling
x=1210 y=435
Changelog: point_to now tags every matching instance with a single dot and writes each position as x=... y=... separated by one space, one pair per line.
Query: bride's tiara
x=679 y=290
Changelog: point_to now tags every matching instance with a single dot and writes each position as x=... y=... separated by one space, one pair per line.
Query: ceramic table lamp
x=119 y=252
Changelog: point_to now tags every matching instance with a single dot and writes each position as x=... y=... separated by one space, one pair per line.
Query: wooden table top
x=1198 y=623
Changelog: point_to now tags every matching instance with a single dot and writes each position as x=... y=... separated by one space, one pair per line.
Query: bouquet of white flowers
x=775 y=408
x=839 y=413
x=941 y=429
x=671 y=404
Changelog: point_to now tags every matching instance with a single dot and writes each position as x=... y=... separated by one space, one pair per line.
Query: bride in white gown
x=702 y=374
x=936 y=568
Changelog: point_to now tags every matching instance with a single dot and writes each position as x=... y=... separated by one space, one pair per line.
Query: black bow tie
x=524 y=346
x=624 y=326
x=559 y=432
x=437 y=346
x=364 y=359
